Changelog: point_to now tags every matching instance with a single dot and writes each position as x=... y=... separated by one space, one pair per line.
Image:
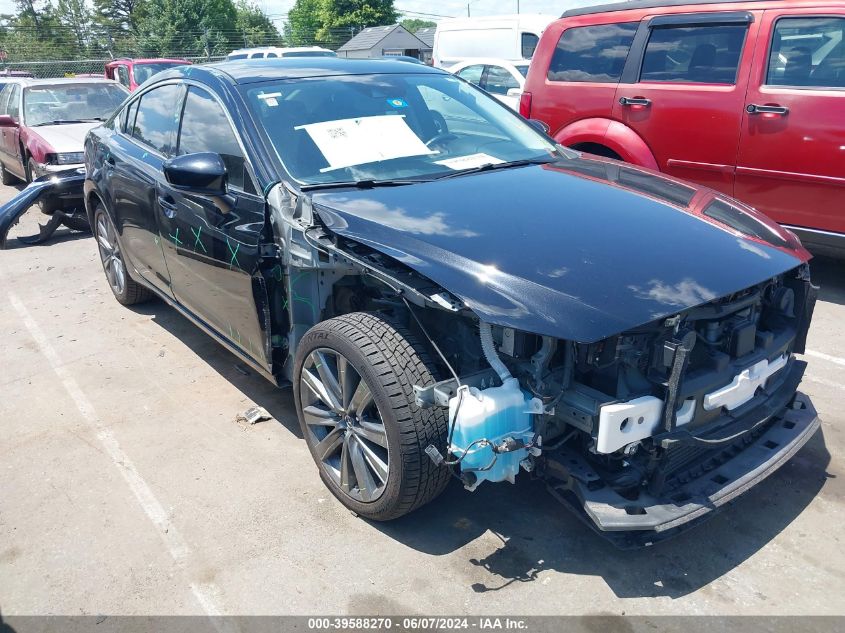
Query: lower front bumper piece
x=651 y=518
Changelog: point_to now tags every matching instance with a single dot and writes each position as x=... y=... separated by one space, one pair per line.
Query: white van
x=267 y=52
x=512 y=37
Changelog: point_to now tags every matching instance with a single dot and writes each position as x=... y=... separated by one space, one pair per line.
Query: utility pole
x=468 y=15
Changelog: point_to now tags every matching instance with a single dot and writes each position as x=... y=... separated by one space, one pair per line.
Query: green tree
x=76 y=19
x=414 y=24
x=304 y=20
x=120 y=17
x=355 y=15
x=257 y=29
x=188 y=27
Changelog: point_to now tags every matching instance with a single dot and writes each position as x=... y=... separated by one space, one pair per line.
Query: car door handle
x=634 y=101
x=168 y=205
x=753 y=108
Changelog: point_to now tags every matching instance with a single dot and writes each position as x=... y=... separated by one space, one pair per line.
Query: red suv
x=133 y=72
x=747 y=97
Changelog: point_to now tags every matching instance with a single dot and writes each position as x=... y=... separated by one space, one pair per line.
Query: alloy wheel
x=110 y=255
x=344 y=427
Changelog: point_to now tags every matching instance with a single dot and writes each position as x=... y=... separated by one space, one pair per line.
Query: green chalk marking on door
x=198 y=241
x=234 y=251
x=175 y=238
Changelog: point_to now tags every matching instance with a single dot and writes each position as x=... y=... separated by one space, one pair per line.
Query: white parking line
x=831 y=359
x=824 y=381
x=205 y=593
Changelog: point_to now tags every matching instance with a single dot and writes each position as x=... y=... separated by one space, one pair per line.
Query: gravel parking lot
x=129 y=487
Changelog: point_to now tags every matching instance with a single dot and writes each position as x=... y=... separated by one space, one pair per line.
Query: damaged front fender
x=62 y=191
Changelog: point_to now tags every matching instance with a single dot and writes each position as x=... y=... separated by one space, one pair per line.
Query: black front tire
x=390 y=361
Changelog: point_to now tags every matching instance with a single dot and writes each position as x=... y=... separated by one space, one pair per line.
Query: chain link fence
x=31 y=58
x=51 y=69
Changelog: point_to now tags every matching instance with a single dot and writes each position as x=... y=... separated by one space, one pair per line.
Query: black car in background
x=449 y=293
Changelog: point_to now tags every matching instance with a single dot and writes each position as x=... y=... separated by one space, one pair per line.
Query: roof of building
x=427 y=35
x=370 y=37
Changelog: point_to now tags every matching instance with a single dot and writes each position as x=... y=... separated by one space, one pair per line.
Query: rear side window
x=529 y=45
x=4 y=98
x=808 y=52
x=694 y=54
x=14 y=107
x=500 y=80
x=154 y=123
x=205 y=128
x=592 y=53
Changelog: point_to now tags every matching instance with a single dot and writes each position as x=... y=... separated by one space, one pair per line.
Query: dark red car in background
x=133 y=72
x=747 y=97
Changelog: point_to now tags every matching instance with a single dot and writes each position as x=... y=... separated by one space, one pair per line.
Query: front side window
x=694 y=54
x=808 y=52
x=205 y=128
x=70 y=103
x=500 y=80
x=382 y=127
x=155 y=123
x=472 y=74
x=592 y=53
x=529 y=45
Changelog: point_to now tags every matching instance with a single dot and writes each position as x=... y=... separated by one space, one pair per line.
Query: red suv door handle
x=753 y=108
x=634 y=101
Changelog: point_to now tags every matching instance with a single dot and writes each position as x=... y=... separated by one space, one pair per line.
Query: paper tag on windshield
x=350 y=142
x=469 y=162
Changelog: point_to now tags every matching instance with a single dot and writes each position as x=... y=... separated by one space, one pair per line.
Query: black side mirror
x=203 y=174
x=540 y=126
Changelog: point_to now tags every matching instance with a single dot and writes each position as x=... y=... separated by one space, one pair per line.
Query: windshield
x=71 y=103
x=145 y=71
x=389 y=127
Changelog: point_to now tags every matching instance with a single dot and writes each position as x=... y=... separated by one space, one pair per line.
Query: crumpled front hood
x=554 y=251
x=67 y=137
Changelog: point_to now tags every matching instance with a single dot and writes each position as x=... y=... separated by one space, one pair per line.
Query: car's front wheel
x=354 y=390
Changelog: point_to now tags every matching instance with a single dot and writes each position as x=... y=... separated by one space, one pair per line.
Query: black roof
x=632 y=5
x=255 y=70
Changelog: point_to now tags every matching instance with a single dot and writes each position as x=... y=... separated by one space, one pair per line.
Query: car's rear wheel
x=125 y=289
x=353 y=384
x=7 y=177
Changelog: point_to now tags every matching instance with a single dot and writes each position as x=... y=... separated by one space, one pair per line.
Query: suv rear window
x=694 y=54
x=592 y=53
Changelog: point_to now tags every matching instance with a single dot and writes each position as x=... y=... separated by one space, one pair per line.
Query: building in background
x=378 y=41
x=427 y=36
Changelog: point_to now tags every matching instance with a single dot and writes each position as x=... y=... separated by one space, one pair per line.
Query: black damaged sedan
x=450 y=294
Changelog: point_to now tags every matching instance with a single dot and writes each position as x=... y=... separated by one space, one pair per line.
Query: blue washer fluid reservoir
x=491 y=414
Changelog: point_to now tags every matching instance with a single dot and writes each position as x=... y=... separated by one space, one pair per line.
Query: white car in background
x=511 y=37
x=270 y=52
x=501 y=78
